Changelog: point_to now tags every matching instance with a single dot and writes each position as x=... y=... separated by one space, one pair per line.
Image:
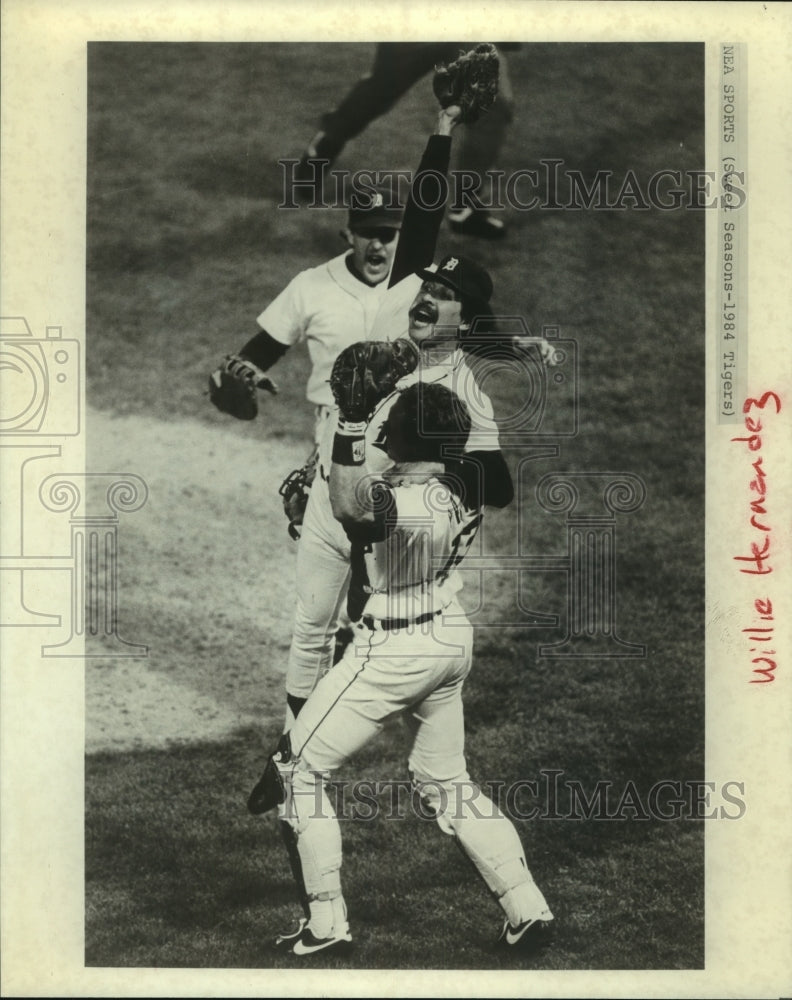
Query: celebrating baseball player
x=434 y=308
x=423 y=321
x=409 y=529
x=329 y=307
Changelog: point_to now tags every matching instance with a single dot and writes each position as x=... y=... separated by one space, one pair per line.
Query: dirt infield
x=196 y=575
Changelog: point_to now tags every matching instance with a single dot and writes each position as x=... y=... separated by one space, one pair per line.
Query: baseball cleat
x=528 y=937
x=477 y=222
x=287 y=938
x=308 y=944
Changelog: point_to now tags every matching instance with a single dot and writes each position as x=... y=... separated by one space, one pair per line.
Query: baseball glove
x=232 y=387
x=367 y=372
x=272 y=788
x=471 y=81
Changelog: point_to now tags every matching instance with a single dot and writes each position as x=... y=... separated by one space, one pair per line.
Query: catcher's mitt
x=294 y=491
x=471 y=81
x=367 y=372
x=232 y=387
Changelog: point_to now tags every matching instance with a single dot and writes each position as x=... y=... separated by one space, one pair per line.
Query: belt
x=390 y=624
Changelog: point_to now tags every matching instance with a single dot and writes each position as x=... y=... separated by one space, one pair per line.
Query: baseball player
x=397 y=67
x=329 y=306
x=434 y=307
x=409 y=529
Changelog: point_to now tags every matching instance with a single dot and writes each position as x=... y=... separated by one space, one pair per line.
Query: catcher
x=409 y=528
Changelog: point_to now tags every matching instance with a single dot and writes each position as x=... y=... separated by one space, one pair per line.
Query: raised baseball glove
x=232 y=387
x=367 y=372
x=471 y=81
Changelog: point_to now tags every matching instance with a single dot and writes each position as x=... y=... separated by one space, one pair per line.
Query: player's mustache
x=424 y=311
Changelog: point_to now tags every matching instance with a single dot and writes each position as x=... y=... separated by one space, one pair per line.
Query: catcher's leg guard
x=289 y=838
x=317 y=834
x=489 y=840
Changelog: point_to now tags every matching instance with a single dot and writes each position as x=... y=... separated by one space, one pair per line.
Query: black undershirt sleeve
x=483 y=477
x=424 y=211
x=263 y=350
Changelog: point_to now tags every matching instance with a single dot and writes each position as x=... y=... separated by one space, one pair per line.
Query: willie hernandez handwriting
x=758 y=562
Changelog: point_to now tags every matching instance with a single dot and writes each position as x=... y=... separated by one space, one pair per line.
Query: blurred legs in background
x=397 y=67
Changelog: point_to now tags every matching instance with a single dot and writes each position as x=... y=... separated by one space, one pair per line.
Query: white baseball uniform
x=329 y=308
x=411 y=654
x=323 y=557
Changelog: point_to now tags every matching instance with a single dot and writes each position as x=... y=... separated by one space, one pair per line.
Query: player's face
x=435 y=308
x=372 y=252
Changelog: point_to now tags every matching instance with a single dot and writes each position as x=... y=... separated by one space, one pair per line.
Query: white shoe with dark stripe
x=530 y=936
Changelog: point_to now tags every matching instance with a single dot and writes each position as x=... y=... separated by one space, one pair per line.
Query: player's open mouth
x=424 y=313
x=375 y=259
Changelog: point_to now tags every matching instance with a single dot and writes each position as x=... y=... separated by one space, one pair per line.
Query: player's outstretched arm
x=233 y=385
x=424 y=211
x=263 y=350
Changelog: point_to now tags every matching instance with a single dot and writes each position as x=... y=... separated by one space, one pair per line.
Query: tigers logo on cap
x=450 y=264
x=379 y=207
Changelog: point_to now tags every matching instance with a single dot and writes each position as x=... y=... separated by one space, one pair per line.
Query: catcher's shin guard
x=488 y=840
x=289 y=838
x=317 y=834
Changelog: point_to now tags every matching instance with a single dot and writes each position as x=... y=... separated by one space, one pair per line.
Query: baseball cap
x=467 y=278
x=377 y=207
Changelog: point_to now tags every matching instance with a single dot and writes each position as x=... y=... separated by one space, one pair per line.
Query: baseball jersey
x=329 y=308
x=451 y=371
x=483 y=436
x=403 y=564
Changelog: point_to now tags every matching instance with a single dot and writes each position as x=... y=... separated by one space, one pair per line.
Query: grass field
x=185 y=247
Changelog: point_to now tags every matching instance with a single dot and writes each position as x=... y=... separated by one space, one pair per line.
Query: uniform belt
x=390 y=624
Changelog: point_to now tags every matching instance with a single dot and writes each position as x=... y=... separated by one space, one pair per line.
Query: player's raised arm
x=362 y=376
x=427 y=201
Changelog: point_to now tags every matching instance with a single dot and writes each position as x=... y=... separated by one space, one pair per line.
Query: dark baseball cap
x=467 y=278
x=375 y=208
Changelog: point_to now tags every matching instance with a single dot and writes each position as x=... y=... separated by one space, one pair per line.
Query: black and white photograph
x=398 y=546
